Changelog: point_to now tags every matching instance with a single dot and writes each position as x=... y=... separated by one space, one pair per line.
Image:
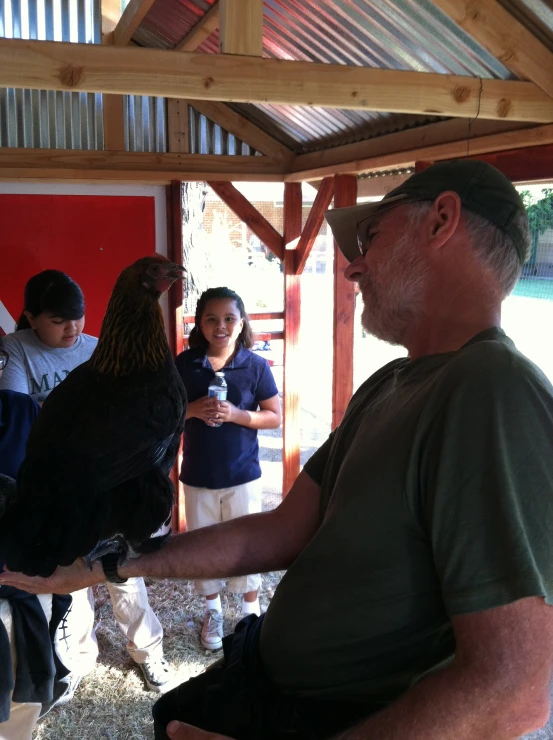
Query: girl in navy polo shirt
x=220 y=468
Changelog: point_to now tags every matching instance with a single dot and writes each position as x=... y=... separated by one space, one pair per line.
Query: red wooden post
x=421 y=165
x=292 y=316
x=176 y=326
x=345 y=194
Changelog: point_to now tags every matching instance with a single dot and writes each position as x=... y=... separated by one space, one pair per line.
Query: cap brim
x=344 y=221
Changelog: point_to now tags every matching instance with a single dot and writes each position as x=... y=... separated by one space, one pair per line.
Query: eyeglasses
x=363 y=225
x=4 y=357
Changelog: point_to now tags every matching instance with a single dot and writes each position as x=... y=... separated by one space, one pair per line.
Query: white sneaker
x=157 y=675
x=212 y=631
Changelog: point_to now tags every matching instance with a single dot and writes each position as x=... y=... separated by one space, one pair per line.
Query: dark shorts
x=234 y=698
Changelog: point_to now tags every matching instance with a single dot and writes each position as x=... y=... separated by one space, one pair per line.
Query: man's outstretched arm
x=251 y=544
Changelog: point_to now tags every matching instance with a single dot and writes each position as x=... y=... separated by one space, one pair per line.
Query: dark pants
x=234 y=698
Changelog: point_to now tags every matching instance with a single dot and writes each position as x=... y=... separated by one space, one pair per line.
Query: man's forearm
x=454 y=705
x=238 y=547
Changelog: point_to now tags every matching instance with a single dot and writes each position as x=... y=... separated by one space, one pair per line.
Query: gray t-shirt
x=36 y=369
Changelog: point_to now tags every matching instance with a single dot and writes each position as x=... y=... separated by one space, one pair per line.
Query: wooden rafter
x=132 y=166
x=201 y=31
x=505 y=37
x=51 y=65
x=438 y=141
x=242 y=207
x=313 y=224
x=132 y=17
x=241 y=27
x=244 y=130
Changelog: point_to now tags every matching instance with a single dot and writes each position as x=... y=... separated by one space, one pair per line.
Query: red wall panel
x=91 y=238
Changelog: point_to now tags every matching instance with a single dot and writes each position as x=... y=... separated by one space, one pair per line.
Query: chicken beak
x=175 y=272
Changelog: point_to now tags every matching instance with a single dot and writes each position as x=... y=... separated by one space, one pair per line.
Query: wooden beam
x=291 y=428
x=201 y=31
x=132 y=17
x=524 y=165
x=241 y=27
x=244 y=130
x=50 y=65
x=505 y=37
x=242 y=207
x=178 y=128
x=345 y=194
x=313 y=223
x=437 y=141
x=374 y=187
x=122 y=166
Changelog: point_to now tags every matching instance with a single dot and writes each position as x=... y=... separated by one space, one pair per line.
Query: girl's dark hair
x=196 y=340
x=55 y=292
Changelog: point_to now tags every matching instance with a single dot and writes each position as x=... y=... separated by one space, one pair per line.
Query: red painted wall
x=91 y=238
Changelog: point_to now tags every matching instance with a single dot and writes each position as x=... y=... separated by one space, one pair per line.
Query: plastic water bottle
x=218 y=389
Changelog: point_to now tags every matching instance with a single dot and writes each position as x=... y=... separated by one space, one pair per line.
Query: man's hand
x=62 y=581
x=180 y=731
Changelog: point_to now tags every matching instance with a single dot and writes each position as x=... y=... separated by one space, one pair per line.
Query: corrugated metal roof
x=392 y=34
x=207 y=137
x=68 y=120
x=49 y=119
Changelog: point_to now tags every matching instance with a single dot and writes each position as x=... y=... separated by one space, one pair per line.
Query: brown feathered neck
x=132 y=337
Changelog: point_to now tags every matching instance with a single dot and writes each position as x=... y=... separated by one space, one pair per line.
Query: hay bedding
x=112 y=701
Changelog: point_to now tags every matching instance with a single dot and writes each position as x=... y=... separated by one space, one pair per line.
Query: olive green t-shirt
x=436 y=500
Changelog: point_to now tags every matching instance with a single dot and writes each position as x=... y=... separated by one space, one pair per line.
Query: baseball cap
x=482 y=188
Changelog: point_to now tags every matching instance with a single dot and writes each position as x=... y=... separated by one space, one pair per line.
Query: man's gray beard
x=388 y=313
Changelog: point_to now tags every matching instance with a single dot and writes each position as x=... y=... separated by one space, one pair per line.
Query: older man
x=417 y=602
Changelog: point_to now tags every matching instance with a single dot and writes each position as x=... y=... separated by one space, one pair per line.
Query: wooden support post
x=176 y=326
x=113 y=111
x=114 y=123
x=241 y=27
x=178 y=126
x=250 y=216
x=314 y=223
x=292 y=321
x=422 y=164
x=345 y=194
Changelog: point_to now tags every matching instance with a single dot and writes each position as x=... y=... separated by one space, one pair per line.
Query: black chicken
x=100 y=453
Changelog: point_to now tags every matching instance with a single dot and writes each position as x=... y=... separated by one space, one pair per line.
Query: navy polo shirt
x=17 y=413
x=225 y=456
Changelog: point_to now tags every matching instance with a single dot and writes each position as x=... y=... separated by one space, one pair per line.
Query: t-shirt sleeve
x=487 y=488
x=315 y=466
x=14 y=376
x=266 y=386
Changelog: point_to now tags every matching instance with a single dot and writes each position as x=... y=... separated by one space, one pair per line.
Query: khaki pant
x=23 y=716
x=76 y=642
x=207 y=506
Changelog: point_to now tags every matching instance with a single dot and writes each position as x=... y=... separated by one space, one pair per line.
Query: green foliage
x=540 y=212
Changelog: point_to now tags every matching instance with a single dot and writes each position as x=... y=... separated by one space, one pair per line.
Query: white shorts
x=207 y=506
